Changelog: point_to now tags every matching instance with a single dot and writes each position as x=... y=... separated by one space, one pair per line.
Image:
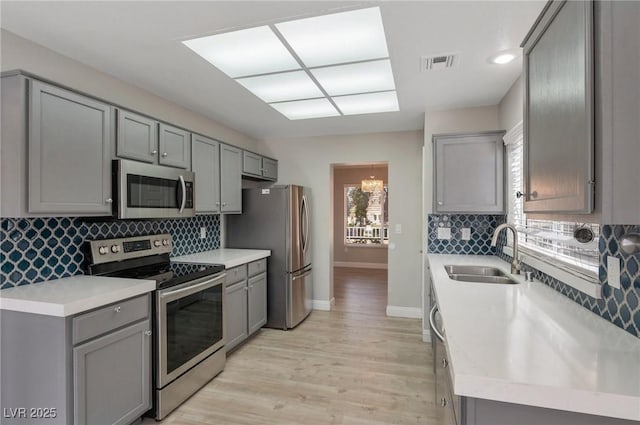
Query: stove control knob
x=103 y=250
x=115 y=248
x=156 y=243
x=165 y=242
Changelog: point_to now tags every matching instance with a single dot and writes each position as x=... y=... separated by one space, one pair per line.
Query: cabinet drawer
x=236 y=274
x=257 y=267
x=111 y=317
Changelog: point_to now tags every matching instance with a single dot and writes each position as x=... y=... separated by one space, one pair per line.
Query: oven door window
x=194 y=323
x=152 y=192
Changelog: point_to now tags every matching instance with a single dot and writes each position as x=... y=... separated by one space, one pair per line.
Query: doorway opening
x=360 y=236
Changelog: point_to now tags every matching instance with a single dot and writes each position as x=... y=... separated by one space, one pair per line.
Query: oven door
x=190 y=325
x=153 y=191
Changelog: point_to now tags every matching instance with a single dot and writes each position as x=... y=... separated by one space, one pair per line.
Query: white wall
x=19 y=53
x=510 y=108
x=307 y=161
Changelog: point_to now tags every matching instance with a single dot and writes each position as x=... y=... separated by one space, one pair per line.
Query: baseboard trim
x=359 y=265
x=324 y=305
x=426 y=335
x=408 y=312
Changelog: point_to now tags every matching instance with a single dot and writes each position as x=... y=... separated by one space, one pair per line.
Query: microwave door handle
x=183 y=185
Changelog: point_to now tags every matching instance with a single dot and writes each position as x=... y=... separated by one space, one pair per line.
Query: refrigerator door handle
x=307 y=224
x=306 y=273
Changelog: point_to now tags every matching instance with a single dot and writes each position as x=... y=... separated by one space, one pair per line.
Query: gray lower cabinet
x=246 y=292
x=559 y=110
x=175 y=146
x=90 y=369
x=69 y=152
x=205 y=163
x=469 y=173
x=136 y=137
x=112 y=377
x=230 y=179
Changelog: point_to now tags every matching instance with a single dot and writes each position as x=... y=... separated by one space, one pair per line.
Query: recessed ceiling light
x=337 y=38
x=247 y=52
x=280 y=87
x=304 y=109
x=368 y=103
x=356 y=78
x=504 y=57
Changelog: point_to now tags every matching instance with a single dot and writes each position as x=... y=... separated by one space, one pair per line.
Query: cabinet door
x=230 y=179
x=257 y=302
x=137 y=137
x=236 y=320
x=69 y=152
x=112 y=377
x=205 y=163
x=558 y=115
x=251 y=163
x=175 y=147
x=469 y=173
x=270 y=168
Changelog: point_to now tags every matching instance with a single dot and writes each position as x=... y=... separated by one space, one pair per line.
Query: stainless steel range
x=188 y=318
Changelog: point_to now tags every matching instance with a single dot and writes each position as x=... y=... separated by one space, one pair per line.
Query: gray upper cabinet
x=230 y=179
x=269 y=168
x=175 y=146
x=559 y=110
x=205 y=163
x=469 y=173
x=69 y=152
x=251 y=163
x=259 y=167
x=136 y=137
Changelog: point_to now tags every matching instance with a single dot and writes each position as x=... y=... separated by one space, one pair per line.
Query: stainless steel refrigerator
x=278 y=218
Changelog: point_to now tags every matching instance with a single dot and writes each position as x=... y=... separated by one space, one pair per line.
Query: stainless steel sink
x=480 y=274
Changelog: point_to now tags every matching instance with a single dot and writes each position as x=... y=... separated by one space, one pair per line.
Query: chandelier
x=371 y=185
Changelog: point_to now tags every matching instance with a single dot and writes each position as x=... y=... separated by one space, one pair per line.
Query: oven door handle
x=183 y=185
x=192 y=289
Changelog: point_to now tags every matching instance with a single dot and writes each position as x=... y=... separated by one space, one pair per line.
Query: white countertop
x=531 y=345
x=229 y=257
x=72 y=295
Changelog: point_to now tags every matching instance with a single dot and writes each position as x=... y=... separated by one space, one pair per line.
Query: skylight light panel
x=280 y=87
x=246 y=52
x=337 y=38
x=361 y=77
x=367 y=103
x=304 y=109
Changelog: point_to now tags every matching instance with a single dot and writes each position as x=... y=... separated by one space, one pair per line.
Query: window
x=551 y=239
x=366 y=216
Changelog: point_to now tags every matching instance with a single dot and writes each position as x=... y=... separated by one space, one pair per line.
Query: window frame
x=384 y=242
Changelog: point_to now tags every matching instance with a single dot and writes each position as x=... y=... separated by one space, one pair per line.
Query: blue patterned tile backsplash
x=37 y=249
x=619 y=306
x=482 y=227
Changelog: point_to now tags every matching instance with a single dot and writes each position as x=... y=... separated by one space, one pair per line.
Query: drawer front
x=111 y=317
x=236 y=274
x=257 y=267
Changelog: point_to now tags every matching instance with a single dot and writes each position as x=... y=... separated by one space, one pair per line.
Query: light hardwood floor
x=350 y=366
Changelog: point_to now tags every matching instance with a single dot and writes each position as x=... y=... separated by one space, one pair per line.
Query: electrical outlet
x=466 y=233
x=613 y=272
x=203 y=233
x=444 y=233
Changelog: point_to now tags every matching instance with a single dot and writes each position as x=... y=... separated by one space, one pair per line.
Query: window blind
x=552 y=241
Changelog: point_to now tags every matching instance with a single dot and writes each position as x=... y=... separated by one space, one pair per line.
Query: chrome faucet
x=515 y=264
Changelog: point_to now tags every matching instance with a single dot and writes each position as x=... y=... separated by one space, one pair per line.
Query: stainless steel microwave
x=152 y=191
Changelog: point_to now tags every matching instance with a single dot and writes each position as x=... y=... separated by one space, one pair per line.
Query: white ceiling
x=140 y=42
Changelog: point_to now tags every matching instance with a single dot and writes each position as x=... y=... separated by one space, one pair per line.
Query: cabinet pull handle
x=443 y=402
x=519 y=194
x=164 y=154
x=118 y=309
x=153 y=152
x=147 y=333
x=445 y=363
x=108 y=201
x=439 y=202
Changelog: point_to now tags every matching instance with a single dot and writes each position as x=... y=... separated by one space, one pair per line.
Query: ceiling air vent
x=438 y=62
